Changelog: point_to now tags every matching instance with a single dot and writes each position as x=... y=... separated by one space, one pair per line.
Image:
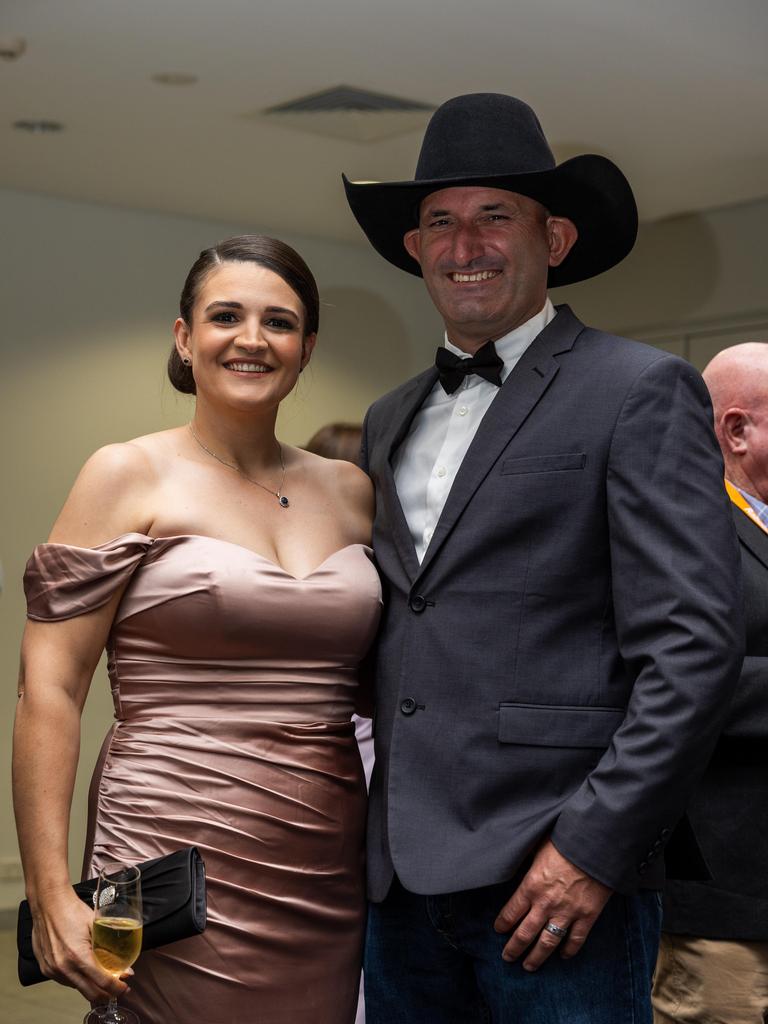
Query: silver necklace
x=281 y=498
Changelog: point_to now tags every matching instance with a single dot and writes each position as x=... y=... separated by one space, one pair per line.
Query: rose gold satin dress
x=233 y=685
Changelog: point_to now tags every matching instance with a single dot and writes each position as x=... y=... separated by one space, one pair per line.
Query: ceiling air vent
x=345 y=112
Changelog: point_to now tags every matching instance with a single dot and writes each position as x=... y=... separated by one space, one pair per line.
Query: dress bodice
x=204 y=621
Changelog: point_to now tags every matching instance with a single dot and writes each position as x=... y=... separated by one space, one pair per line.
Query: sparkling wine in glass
x=117 y=929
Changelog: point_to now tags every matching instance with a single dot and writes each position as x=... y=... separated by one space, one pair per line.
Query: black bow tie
x=453 y=369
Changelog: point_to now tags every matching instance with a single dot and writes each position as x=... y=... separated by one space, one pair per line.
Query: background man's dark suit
x=558 y=663
x=713 y=956
x=728 y=810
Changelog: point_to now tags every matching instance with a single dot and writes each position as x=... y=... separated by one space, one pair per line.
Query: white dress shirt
x=429 y=458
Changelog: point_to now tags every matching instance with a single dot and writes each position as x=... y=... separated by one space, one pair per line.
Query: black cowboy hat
x=496 y=141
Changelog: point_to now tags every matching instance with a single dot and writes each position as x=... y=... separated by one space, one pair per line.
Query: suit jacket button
x=408 y=706
x=417 y=603
x=642 y=867
x=665 y=832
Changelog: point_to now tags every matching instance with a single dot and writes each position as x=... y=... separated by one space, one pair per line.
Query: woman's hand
x=61 y=941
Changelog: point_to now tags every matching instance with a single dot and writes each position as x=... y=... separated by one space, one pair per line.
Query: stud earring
x=186 y=360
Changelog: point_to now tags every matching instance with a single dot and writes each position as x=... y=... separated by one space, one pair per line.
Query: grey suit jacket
x=561 y=661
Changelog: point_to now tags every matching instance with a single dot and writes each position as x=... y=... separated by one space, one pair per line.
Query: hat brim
x=590 y=190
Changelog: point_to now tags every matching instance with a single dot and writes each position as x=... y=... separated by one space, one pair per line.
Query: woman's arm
x=356 y=490
x=357 y=502
x=57 y=664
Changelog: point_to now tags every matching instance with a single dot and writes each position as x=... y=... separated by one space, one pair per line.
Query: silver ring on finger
x=555 y=929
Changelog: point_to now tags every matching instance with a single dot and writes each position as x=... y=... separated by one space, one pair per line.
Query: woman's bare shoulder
x=354 y=483
x=113 y=492
x=344 y=479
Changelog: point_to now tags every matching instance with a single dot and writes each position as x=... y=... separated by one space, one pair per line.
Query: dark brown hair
x=268 y=252
x=337 y=441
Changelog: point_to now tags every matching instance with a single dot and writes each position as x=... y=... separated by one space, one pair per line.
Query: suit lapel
x=751 y=536
x=520 y=393
x=409 y=405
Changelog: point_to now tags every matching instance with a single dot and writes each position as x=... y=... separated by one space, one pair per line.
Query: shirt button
x=441 y=471
x=462 y=410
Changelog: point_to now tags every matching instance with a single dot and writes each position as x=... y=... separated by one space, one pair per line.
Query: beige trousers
x=710 y=981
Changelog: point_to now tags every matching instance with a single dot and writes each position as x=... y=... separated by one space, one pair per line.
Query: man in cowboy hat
x=562 y=627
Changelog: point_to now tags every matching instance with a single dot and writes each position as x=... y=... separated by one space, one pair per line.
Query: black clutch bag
x=173 y=898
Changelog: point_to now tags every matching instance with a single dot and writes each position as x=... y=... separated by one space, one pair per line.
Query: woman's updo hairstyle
x=268 y=252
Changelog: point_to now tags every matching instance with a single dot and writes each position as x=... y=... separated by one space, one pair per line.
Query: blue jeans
x=437 y=960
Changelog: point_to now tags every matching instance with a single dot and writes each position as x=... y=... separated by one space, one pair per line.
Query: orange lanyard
x=741 y=502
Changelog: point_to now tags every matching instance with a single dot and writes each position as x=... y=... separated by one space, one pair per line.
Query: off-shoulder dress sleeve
x=62 y=581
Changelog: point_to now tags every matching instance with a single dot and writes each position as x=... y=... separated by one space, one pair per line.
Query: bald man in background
x=713 y=963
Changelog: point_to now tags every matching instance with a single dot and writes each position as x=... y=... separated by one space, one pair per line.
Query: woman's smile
x=246 y=366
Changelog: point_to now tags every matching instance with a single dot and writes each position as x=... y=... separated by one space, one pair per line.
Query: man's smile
x=468 y=277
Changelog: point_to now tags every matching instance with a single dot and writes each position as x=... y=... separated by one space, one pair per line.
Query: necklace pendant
x=284 y=503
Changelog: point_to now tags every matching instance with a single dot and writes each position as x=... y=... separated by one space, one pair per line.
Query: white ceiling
x=676 y=91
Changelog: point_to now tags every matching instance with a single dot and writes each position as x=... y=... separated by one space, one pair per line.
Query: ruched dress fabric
x=233 y=685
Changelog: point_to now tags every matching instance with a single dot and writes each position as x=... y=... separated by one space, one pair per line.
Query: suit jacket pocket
x=544 y=725
x=544 y=463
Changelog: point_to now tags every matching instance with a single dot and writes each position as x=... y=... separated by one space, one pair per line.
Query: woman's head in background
x=337 y=441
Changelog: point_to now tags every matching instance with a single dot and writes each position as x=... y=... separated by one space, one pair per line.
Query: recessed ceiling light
x=174 y=78
x=38 y=127
x=12 y=47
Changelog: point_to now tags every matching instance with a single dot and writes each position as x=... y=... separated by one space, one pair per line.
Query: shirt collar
x=759 y=506
x=512 y=345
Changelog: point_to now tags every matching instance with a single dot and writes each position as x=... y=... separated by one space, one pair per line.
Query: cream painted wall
x=692 y=284
x=89 y=294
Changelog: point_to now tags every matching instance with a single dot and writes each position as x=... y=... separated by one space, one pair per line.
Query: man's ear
x=561 y=236
x=734 y=424
x=181 y=334
x=412 y=243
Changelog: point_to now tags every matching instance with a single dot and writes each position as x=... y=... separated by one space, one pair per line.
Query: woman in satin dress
x=230 y=579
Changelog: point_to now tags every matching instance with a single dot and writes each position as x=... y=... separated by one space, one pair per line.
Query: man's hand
x=553 y=891
x=61 y=941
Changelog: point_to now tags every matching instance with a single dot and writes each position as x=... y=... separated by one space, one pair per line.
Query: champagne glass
x=117 y=928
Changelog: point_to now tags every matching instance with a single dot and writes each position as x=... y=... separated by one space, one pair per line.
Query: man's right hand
x=553 y=890
x=61 y=941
